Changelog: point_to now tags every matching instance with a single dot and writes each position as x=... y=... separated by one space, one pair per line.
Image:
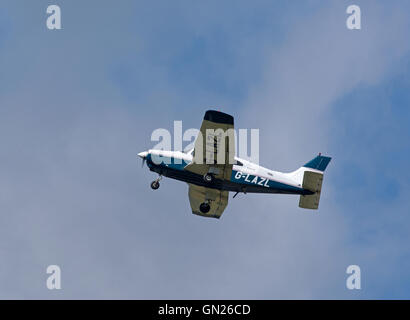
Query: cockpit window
x=238 y=163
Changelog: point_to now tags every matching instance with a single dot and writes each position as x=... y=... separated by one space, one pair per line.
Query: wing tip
x=218 y=117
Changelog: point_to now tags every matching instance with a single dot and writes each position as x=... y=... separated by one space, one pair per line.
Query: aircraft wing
x=214 y=148
x=218 y=200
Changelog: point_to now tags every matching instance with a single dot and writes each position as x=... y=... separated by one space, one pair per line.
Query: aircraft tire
x=154 y=185
x=204 y=207
x=208 y=178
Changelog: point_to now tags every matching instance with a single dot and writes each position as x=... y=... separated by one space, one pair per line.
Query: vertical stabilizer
x=310 y=177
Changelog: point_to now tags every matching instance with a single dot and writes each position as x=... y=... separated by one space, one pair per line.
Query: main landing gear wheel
x=204 y=207
x=155 y=185
x=208 y=177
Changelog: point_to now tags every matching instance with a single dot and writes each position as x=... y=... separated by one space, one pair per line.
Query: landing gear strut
x=155 y=183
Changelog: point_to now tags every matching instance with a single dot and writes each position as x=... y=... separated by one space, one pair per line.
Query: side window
x=238 y=163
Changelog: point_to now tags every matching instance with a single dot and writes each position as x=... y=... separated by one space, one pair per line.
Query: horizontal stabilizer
x=311 y=181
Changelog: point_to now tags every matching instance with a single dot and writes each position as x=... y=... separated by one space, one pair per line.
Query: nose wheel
x=155 y=183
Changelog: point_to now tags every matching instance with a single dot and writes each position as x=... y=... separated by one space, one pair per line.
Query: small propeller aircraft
x=211 y=170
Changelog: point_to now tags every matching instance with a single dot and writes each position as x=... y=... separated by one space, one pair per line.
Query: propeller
x=143 y=156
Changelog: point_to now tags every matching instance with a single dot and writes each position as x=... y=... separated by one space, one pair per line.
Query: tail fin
x=310 y=177
x=319 y=163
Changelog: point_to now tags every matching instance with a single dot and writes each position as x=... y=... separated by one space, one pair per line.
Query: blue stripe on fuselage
x=237 y=177
x=249 y=179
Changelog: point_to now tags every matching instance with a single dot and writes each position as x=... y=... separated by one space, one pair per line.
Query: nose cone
x=143 y=154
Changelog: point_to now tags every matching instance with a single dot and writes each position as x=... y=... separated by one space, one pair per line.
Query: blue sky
x=77 y=104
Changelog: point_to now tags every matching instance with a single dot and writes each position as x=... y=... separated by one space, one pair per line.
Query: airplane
x=210 y=181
